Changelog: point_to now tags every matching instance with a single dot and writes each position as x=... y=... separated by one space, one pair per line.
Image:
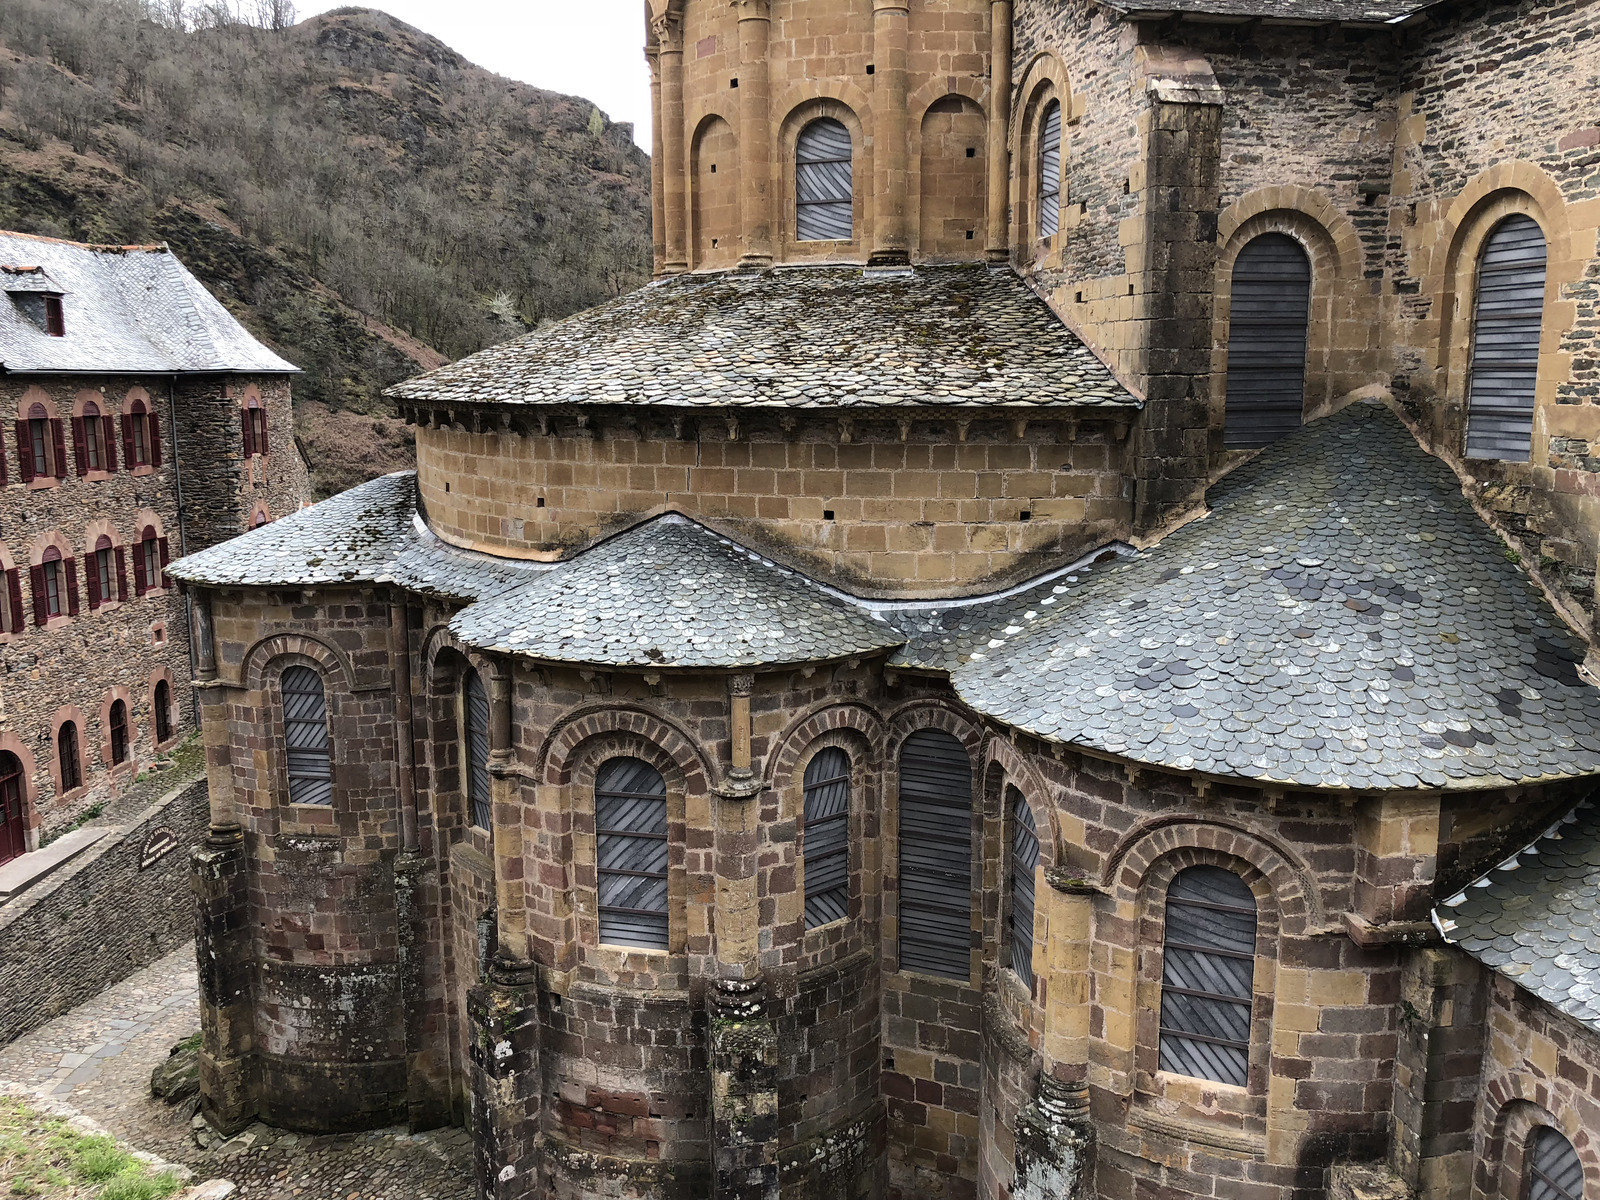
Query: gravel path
x=98 y=1058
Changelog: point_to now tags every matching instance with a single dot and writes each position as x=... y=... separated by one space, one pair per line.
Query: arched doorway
x=13 y=823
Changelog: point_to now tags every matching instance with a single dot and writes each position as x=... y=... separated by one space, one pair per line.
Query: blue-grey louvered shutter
x=1505 y=341
x=826 y=835
x=477 y=706
x=1554 y=1171
x=935 y=855
x=824 y=197
x=1207 y=976
x=1050 y=170
x=1024 y=864
x=1271 y=314
x=630 y=820
x=305 y=730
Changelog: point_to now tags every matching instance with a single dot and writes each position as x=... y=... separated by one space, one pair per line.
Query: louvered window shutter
x=935 y=855
x=1267 y=331
x=155 y=440
x=108 y=442
x=305 y=731
x=630 y=822
x=14 y=593
x=824 y=195
x=1554 y=1169
x=5 y=474
x=138 y=569
x=162 y=580
x=24 y=452
x=826 y=837
x=477 y=713
x=1050 y=171
x=1024 y=865
x=129 y=459
x=249 y=439
x=1505 y=341
x=41 y=606
x=122 y=574
x=58 y=438
x=261 y=430
x=1207 y=976
x=80 y=445
x=69 y=568
x=92 y=579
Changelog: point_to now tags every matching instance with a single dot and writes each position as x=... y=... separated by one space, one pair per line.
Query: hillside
x=366 y=201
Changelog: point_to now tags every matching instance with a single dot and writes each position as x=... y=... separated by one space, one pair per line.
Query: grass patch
x=44 y=1156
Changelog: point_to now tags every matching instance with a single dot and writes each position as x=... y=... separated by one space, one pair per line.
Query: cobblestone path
x=98 y=1058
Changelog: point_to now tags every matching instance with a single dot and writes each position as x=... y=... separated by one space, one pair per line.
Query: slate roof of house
x=1341 y=619
x=128 y=310
x=1309 y=11
x=830 y=337
x=1535 y=918
x=672 y=593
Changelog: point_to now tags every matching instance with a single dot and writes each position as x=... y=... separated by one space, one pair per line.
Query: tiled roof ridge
x=100 y=247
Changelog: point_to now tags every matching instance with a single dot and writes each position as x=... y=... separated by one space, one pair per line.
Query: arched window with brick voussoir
x=1050 y=170
x=825 y=837
x=305 y=733
x=1554 y=1171
x=630 y=825
x=1208 y=976
x=1024 y=865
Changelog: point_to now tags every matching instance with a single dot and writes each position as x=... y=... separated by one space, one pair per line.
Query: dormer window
x=37 y=297
x=55 y=321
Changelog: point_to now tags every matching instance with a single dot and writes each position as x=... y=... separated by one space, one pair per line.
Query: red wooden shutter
x=80 y=445
x=58 y=435
x=155 y=440
x=70 y=567
x=91 y=576
x=122 y=574
x=24 y=452
x=261 y=448
x=138 y=568
x=3 y=473
x=108 y=441
x=165 y=582
x=127 y=443
x=41 y=612
x=14 y=595
x=249 y=434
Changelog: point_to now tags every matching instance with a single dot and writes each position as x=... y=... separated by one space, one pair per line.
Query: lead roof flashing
x=796 y=338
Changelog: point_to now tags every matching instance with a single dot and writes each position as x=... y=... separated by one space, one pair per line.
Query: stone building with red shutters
x=1044 y=656
x=134 y=417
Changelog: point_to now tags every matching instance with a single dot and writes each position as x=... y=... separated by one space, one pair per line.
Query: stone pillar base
x=744 y=1092
x=223 y=959
x=1055 y=1145
x=503 y=1013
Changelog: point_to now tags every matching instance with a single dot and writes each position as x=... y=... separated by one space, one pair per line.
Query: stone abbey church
x=1043 y=656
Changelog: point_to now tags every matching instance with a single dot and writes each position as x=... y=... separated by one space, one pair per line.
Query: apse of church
x=1044 y=655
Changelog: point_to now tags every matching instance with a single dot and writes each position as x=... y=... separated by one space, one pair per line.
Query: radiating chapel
x=1043 y=656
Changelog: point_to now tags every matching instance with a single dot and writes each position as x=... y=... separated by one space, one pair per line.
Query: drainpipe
x=183 y=540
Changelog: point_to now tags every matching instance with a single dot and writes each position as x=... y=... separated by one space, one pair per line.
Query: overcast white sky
x=588 y=48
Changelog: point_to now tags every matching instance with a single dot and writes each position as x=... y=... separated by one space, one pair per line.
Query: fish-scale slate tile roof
x=671 y=593
x=127 y=309
x=369 y=534
x=795 y=337
x=1341 y=619
x=1535 y=918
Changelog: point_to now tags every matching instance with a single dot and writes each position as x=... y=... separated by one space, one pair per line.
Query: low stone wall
x=119 y=906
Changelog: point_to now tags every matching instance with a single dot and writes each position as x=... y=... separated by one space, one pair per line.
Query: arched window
x=1505 y=341
x=13 y=831
x=305 y=733
x=149 y=561
x=41 y=445
x=824 y=197
x=826 y=837
x=254 y=419
x=89 y=438
x=1050 y=170
x=630 y=824
x=935 y=855
x=105 y=573
x=55 y=587
x=163 y=706
x=1267 y=332
x=260 y=519
x=1024 y=864
x=1207 y=976
x=141 y=436
x=119 y=732
x=67 y=756
x=475 y=702
x=1554 y=1172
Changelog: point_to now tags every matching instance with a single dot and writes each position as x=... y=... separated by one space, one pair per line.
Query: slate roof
x=1535 y=918
x=1356 y=11
x=671 y=593
x=833 y=337
x=1341 y=619
x=128 y=310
